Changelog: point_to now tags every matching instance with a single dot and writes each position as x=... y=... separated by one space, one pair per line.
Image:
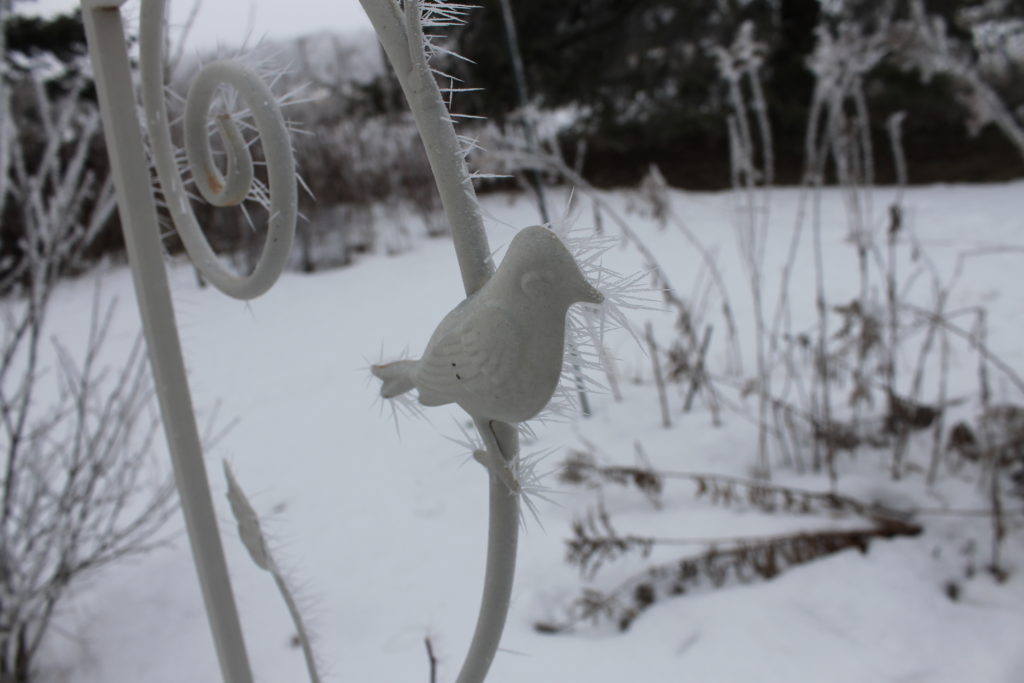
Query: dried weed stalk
x=742 y=560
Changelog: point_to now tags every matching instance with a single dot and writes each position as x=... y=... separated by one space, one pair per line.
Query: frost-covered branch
x=928 y=47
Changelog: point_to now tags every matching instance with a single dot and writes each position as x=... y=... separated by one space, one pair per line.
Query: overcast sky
x=226 y=21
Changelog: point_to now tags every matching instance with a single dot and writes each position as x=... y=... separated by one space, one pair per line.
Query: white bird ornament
x=498 y=354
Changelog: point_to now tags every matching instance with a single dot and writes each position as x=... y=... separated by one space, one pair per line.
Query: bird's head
x=545 y=270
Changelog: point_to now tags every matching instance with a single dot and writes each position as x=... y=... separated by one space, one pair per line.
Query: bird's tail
x=396 y=377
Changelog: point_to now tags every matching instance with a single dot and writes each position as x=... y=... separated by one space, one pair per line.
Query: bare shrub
x=76 y=492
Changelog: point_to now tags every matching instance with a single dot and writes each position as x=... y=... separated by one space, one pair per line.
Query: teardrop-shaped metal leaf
x=248 y=523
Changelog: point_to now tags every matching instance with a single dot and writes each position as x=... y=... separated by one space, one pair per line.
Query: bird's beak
x=589 y=294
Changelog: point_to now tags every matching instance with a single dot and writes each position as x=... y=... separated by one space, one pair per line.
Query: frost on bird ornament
x=498 y=354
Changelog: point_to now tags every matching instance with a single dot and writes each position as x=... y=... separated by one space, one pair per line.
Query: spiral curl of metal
x=220 y=189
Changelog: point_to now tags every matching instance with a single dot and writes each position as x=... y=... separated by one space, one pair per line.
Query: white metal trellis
x=401 y=34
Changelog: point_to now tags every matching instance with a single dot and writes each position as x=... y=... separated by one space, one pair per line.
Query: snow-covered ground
x=384 y=532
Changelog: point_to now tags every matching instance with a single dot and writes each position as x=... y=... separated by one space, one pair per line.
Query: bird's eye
x=535 y=283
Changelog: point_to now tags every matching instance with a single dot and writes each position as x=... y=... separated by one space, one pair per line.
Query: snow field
x=384 y=533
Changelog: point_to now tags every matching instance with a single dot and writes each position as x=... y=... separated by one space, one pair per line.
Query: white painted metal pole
x=401 y=35
x=108 y=52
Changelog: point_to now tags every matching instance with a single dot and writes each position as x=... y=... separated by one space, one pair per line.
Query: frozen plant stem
x=742 y=61
x=529 y=127
x=659 y=381
x=401 y=35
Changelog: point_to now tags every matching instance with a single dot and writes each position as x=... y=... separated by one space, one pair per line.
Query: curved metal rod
x=403 y=41
x=129 y=169
x=228 y=189
x=502 y=544
x=434 y=123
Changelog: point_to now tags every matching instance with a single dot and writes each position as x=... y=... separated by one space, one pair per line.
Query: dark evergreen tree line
x=640 y=80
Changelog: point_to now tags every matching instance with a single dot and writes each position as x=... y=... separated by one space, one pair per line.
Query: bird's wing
x=476 y=359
